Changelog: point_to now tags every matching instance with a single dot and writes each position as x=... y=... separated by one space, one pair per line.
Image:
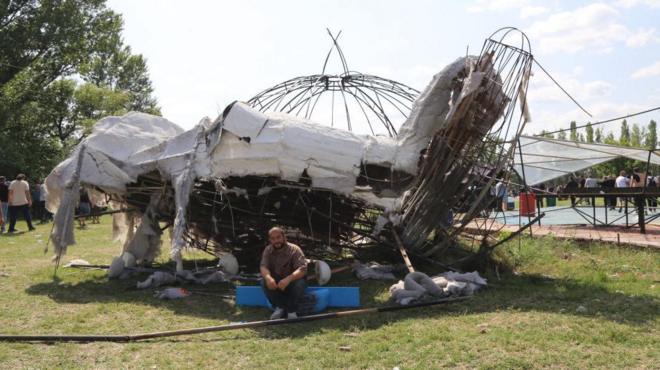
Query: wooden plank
x=402 y=249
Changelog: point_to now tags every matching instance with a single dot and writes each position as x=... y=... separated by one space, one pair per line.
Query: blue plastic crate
x=336 y=296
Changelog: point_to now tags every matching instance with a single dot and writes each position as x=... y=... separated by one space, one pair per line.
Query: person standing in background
x=570 y=187
x=85 y=208
x=652 y=184
x=607 y=185
x=4 y=202
x=34 y=193
x=20 y=200
x=622 y=182
x=501 y=195
x=45 y=215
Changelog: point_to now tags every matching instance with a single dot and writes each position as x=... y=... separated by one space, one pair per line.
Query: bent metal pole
x=208 y=329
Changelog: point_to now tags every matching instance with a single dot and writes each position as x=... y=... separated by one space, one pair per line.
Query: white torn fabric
x=77 y=262
x=172 y=293
x=467 y=277
x=116 y=268
x=522 y=97
x=62 y=233
x=373 y=271
x=545 y=159
x=417 y=286
x=145 y=243
x=157 y=279
x=245 y=142
x=215 y=277
x=229 y=264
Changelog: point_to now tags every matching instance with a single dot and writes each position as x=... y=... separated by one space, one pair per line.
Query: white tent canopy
x=544 y=159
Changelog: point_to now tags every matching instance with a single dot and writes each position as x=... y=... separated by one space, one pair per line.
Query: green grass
x=528 y=319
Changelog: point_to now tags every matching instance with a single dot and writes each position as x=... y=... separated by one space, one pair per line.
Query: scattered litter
x=172 y=293
x=77 y=262
x=417 y=285
x=229 y=264
x=215 y=277
x=373 y=271
x=323 y=273
x=157 y=279
x=345 y=348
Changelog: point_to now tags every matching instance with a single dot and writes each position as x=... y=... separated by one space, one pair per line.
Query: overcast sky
x=202 y=55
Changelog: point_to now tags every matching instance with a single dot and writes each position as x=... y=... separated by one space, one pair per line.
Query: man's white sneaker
x=291 y=315
x=278 y=314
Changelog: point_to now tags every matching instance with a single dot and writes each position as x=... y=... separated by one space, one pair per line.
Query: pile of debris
x=221 y=185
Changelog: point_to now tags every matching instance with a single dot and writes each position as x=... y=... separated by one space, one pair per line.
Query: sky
x=203 y=55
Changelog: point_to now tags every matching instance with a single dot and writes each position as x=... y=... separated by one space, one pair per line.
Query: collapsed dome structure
x=222 y=184
x=348 y=100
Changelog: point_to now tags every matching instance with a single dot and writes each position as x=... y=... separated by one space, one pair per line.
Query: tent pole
x=524 y=179
x=641 y=206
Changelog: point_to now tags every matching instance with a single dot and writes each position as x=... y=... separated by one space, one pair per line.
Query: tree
x=598 y=136
x=93 y=103
x=41 y=41
x=624 y=137
x=590 y=133
x=635 y=136
x=574 y=135
x=609 y=139
x=46 y=46
x=651 y=139
x=561 y=135
x=119 y=70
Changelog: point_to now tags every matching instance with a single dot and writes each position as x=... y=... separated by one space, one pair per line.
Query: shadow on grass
x=520 y=293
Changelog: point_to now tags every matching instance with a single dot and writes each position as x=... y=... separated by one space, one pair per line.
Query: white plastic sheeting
x=244 y=141
x=545 y=159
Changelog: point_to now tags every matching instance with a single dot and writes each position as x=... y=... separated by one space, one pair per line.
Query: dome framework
x=350 y=98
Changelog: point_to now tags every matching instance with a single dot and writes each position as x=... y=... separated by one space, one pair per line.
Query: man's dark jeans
x=13 y=216
x=287 y=299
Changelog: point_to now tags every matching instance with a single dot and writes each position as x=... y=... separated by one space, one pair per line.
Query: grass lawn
x=566 y=306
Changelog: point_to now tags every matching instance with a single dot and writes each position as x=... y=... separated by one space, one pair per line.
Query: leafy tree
x=651 y=139
x=46 y=47
x=609 y=139
x=561 y=135
x=94 y=102
x=41 y=41
x=635 y=136
x=624 y=137
x=590 y=133
x=123 y=71
x=574 y=134
x=598 y=135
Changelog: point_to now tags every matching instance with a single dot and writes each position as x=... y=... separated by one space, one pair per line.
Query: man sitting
x=283 y=267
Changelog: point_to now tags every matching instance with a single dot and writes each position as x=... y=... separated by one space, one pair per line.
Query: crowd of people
x=20 y=198
x=636 y=179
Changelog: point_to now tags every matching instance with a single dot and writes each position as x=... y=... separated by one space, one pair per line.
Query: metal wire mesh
x=351 y=100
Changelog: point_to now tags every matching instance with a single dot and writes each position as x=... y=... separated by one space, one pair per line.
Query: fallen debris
x=417 y=286
x=172 y=293
x=222 y=184
x=373 y=271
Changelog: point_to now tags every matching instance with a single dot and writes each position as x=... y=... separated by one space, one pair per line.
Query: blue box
x=336 y=296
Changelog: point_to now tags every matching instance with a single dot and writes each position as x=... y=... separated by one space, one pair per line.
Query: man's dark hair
x=20 y=176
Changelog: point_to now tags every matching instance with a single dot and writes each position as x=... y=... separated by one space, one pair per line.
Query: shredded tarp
x=417 y=286
x=544 y=159
x=241 y=142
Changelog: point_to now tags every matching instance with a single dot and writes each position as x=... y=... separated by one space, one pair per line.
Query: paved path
x=612 y=234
